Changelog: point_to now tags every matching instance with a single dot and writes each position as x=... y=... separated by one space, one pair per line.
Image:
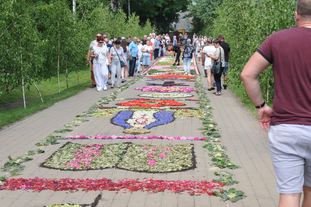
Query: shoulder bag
x=217 y=65
x=122 y=63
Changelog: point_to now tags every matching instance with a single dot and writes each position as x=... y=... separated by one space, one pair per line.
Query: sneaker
x=210 y=89
x=105 y=88
x=99 y=89
x=123 y=81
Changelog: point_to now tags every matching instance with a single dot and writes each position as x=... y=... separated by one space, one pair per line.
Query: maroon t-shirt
x=289 y=51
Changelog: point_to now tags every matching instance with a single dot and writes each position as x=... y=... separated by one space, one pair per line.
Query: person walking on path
x=207 y=62
x=133 y=50
x=289 y=120
x=157 y=47
x=100 y=55
x=116 y=57
x=175 y=42
x=146 y=49
x=139 y=57
x=225 y=46
x=125 y=68
x=218 y=58
x=90 y=58
x=187 y=56
x=177 y=53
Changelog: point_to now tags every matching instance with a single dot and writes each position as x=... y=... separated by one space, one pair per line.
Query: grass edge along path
x=50 y=95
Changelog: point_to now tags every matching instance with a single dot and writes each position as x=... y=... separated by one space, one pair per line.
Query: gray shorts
x=291 y=156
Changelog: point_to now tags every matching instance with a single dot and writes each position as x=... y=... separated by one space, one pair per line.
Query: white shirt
x=146 y=50
x=114 y=55
x=209 y=50
x=101 y=54
x=222 y=55
x=140 y=53
x=93 y=44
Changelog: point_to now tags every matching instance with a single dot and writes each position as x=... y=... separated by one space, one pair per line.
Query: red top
x=289 y=51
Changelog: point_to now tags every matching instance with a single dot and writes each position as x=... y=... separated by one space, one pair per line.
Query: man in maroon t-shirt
x=289 y=120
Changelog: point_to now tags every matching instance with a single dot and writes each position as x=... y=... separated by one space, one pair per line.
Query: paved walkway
x=246 y=145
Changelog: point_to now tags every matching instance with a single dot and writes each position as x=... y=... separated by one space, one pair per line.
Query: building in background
x=184 y=23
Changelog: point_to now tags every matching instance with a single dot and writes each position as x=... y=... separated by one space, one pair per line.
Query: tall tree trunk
x=74 y=6
x=23 y=80
x=58 y=60
x=129 y=8
x=24 y=94
x=67 y=75
x=37 y=88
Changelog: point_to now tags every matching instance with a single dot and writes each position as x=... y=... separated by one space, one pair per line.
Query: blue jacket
x=133 y=48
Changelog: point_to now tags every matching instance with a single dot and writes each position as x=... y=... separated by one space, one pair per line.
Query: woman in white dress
x=100 y=54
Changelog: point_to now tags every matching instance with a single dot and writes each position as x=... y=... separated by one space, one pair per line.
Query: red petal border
x=132 y=185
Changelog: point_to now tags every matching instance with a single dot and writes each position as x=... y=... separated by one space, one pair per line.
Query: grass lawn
x=11 y=105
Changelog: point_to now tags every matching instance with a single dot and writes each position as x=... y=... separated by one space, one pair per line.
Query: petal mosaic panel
x=128 y=156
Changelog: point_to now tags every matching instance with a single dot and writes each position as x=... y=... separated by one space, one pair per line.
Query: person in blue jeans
x=187 y=56
x=133 y=50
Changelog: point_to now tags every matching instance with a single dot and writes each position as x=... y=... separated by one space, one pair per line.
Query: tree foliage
x=245 y=24
x=20 y=52
x=160 y=12
x=203 y=12
x=43 y=38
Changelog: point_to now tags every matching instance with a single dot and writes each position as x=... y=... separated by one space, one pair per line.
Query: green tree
x=245 y=24
x=161 y=12
x=57 y=26
x=21 y=57
x=203 y=12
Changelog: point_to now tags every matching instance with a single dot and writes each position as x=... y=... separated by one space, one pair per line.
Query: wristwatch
x=261 y=105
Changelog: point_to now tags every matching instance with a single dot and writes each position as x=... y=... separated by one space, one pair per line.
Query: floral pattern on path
x=150 y=137
x=171 y=76
x=75 y=156
x=167 y=89
x=131 y=185
x=151 y=103
x=128 y=156
x=158 y=159
x=165 y=95
x=141 y=121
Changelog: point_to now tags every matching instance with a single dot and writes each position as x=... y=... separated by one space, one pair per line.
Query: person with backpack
x=187 y=56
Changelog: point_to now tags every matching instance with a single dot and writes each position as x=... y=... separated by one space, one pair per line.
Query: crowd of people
x=214 y=56
x=120 y=58
x=113 y=61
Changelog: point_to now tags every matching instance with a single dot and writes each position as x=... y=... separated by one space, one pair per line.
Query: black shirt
x=226 y=48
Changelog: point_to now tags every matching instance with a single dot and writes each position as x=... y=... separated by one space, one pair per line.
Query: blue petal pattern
x=121 y=118
x=162 y=117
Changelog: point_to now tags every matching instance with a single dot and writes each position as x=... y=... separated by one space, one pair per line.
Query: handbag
x=217 y=65
x=122 y=63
